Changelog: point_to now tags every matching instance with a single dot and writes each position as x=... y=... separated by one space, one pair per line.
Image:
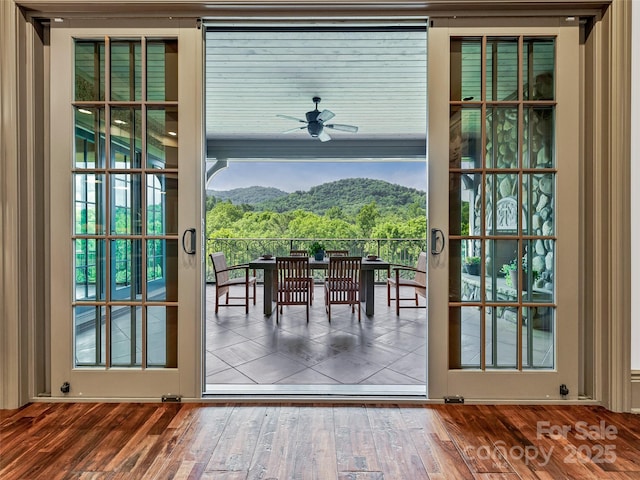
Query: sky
x=294 y=176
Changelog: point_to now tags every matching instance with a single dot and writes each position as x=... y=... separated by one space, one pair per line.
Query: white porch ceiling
x=374 y=78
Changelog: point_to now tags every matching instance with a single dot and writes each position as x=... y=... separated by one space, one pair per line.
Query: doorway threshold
x=316 y=391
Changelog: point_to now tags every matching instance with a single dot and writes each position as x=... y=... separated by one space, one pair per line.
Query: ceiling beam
x=311 y=149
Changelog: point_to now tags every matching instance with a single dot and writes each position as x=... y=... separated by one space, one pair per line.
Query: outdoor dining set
x=289 y=280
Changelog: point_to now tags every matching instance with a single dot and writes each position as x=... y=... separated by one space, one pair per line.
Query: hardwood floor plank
x=553 y=447
x=397 y=455
x=275 y=452
x=315 y=454
x=438 y=453
x=355 y=446
x=238 y=441
x=469 y=431
x=360 y=476
x=197 y=435
x=344 y=442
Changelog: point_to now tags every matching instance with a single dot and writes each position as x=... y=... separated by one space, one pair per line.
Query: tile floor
x=253 y=349
x=381 y=350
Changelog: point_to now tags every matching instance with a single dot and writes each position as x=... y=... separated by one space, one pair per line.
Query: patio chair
x=224 y=282
x=418 y=282
x=342 y=284
x=294 y=285
x=298 y=253
x=337 y=253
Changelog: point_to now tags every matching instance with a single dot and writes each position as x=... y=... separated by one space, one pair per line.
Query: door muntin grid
x=502 y=175
x=125 y=177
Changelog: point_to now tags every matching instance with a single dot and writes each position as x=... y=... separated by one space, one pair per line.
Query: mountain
x=247 y=195
x=349 y=194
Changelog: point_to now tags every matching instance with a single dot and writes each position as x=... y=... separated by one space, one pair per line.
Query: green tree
x=366 y=218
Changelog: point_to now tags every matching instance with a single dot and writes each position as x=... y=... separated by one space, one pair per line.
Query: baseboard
x=635 y=391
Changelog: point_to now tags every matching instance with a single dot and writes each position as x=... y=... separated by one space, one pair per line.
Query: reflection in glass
x=538 y=204
x=537 y=337
x=162 y=204
x=126 y=336
x=89 y=70
x=162 y=270
x=126 y=269
x=126 y=71
x=126 y=143
x=539 y=266
x=162 y=337
x=502 y=137
x=466 y=322
x=465 y=145
x=466 y=69
x=126 y=211
x=502 y=69
x=538 y=67
x=538 y=147
x=501 y=260
x=89 y=204
x=89 y=137
x=89 y=327
x=89 y=269
x=464 y=270
x=502 y=208
x=162 y=137
x=162 y=70
x=501 y=326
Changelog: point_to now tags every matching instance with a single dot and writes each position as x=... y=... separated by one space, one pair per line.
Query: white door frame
x=127 y=383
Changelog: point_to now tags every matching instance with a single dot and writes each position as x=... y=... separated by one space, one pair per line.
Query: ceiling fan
x=315 y=123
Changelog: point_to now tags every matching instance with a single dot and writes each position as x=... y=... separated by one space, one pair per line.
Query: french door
x=503 y=166
x=125 y=146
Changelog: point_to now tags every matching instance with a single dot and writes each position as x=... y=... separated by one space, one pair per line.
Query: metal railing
x=401 y=251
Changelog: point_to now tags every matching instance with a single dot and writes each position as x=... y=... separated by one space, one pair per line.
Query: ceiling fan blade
x=344 y=128
x=324 y=136
x=295 y=129
x=290 y=118
x=325 y=115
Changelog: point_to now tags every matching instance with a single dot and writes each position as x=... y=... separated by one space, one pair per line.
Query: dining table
x=367 y=279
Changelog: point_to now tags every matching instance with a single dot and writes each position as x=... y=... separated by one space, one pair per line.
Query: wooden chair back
x=298 y=253
x=293 y=283
x=342 y=284
x=337 y=253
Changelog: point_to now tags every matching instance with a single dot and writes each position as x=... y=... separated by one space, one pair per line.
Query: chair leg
x=416 y=299
x=388 y=294
x=398 y=298
x=246 y=297
x=217 y=302
x=254 y=293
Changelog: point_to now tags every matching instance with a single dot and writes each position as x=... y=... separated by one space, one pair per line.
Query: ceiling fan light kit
x=315 y=123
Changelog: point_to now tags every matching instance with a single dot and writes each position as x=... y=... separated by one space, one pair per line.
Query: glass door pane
x=125 y=234
x=501 y=204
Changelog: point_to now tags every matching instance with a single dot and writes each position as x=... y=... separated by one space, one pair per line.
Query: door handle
x=192 y=249
x=436 y=234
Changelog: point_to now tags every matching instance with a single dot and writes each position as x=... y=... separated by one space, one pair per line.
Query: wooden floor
x=324 y=442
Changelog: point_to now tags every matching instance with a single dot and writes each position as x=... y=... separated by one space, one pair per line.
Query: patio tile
x=214 y=365
x=347 y=368
x=270 y=369
x=411 y=365
x=401 y=340
x=217 y=340
x=308 y=352
x=242 y=352
x=308 y=377
x=389 y=377
x=379 y=353
x=231 y=375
